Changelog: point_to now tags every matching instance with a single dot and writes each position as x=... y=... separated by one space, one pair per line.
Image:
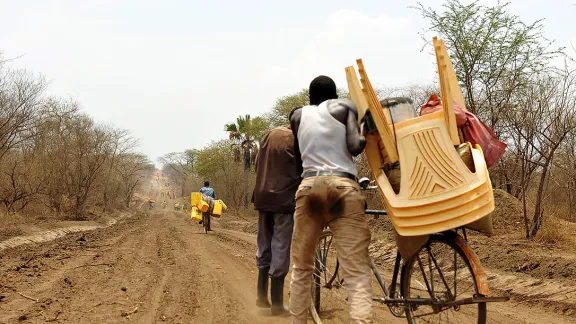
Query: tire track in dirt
x=498 y=313
x=170 y=270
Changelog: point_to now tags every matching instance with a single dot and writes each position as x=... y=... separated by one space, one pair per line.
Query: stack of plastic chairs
x=438 y=192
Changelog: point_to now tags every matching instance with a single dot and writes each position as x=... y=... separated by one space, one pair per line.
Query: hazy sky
x=174 y=72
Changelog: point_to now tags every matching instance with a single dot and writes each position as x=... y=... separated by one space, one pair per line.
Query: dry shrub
x=11 y=219
x=9 y=225
x=556 y=231
x=10 y=231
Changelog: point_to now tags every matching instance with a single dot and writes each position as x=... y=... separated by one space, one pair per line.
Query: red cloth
x=433 y=105
x=473 y=130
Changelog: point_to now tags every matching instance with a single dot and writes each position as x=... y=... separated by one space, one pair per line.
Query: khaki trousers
x=336 y=202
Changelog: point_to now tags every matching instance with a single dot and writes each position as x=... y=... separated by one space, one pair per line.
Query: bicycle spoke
x=329 y=284
x=455 y=275
x=442 y=273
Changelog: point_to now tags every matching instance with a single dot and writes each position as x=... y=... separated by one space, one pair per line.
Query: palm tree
x=244 y=135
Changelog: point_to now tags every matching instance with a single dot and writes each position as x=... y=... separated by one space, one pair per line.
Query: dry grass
x=557 y=232
x=11 y=219
x=9 y=225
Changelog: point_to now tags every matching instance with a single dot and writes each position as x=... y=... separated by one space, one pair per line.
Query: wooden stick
x=130 y=312
x=27 y=297
x=93 y=265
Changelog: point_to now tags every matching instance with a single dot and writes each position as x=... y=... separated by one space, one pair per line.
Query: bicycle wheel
x=205 y=222
x=441 y=271
x=328 y=291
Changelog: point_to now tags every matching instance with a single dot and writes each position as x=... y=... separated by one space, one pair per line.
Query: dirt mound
x=514 y=254
x=246 y=226
x=508 y=212
x=11 y=237
x=10 y=231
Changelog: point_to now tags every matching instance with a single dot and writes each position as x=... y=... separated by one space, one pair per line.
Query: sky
x=173 y=72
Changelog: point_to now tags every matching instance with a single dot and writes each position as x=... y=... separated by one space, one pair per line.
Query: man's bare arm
x=355 y=141
x=295 y=116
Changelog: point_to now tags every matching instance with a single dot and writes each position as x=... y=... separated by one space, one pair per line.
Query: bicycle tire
x=448 y=240
x=322 y=273
x=205 y=223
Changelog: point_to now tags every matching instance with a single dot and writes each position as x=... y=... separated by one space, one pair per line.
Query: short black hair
x=206 y=184
x=322 y=88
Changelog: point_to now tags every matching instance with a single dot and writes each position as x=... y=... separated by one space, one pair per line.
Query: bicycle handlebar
x=366 y=187
x=375 y=212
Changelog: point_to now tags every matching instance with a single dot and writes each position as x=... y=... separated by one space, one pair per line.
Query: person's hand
x=364 y=129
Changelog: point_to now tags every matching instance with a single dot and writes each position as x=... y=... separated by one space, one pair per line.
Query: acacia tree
x=179 y=166
x=505 y=72
x=278 y=116
x=216 y=162
x=245 y=134
x=495 y=54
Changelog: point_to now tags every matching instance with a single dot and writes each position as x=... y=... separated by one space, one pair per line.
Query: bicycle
x=206 y=222
x=442 y=281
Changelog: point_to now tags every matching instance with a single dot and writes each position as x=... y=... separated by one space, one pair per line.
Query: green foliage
x=494 y=53
x=247 y=129
x=215 y=163
x=190 y=156
x=278 y=116
x=213 y=158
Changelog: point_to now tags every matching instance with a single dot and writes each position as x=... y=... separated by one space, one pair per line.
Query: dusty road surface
x=156 y=267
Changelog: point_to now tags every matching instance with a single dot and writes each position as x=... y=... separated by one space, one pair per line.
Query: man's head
x=322 y=88
x=206 y=184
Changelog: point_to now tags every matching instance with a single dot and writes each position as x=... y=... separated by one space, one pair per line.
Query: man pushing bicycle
x=326 y=137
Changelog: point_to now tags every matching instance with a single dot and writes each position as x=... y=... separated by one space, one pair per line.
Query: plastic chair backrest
x=438 y=191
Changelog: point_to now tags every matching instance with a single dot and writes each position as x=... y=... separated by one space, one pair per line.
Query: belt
x=312 y=173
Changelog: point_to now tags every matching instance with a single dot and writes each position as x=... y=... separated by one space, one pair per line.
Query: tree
x=278 y=116
x=544 y=119
x=51 y=155
x=494 y=53
x=418 y=93
x=20 y=102
x=179 y=166
x=215 y=162
x=121 y=143
x=180 y=162
x=132 y=168
x=245 y=134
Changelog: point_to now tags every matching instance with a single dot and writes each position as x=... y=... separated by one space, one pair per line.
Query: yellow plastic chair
x=438 y=192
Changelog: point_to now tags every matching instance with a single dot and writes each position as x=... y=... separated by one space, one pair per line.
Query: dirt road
x=155 y=268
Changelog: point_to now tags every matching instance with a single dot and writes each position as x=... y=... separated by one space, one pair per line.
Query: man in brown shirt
x=277 y=179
